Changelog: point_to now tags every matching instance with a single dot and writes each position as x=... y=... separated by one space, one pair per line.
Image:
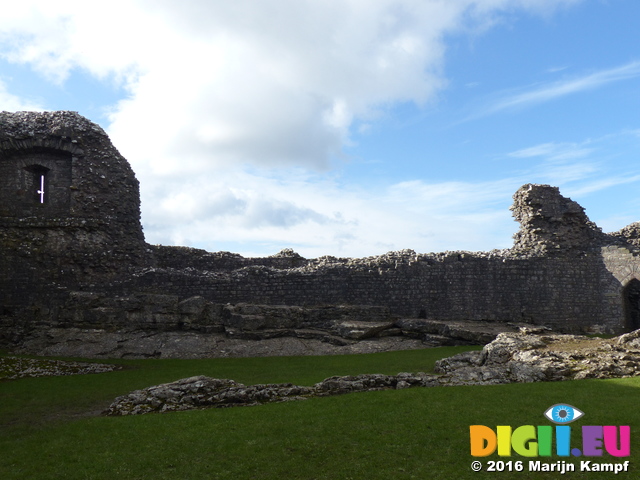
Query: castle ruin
x=77 y=277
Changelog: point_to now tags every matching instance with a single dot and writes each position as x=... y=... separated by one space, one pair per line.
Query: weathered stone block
x=360 y=330
x=156 y=303
x=245 y=322
x=193 y=306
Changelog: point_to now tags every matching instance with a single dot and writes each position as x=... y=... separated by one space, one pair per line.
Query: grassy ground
x=49 y=428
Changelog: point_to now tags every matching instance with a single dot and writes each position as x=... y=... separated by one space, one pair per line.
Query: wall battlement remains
x=73 y=256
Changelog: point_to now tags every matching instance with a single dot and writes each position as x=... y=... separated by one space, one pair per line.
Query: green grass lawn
x=49 y=427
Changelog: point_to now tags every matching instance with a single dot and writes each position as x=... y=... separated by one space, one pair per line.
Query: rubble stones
x=202 y=392
x=510 y=358
x=12 y=368
x=526 y=357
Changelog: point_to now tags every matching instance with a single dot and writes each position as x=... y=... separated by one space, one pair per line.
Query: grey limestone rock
x=630 y=340
x=204 y=392
x=511 y=358
x=519 y=357
x=360 y=330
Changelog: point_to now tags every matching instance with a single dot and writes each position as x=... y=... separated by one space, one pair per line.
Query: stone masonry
x=73 y=259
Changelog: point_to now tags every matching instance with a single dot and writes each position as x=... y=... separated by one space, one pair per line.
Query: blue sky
x=346 y=128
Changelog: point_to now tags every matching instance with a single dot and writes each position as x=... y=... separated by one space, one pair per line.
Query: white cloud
x=603 y=183
x=318 y=216
x=56 y=37
x=272 y=82
x=555 y=152
x=214 y=86
x=13 y=103
x=541 y=150
x=570 y=86
x=582 y=168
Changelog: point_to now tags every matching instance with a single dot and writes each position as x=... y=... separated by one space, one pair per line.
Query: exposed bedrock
x=162 y=326
x=510 y=358
x=522 y=357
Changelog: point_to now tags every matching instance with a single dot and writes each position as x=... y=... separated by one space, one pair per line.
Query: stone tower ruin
x=69 y=206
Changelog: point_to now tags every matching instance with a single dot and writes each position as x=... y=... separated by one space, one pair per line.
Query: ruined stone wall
x=571 y=294
x=82 y=236
x=562 y=272
x=551 y=224
x=563 y=293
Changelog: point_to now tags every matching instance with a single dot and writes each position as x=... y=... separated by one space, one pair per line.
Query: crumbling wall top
x=20 y=126
x=629 y=234
x=550 y=223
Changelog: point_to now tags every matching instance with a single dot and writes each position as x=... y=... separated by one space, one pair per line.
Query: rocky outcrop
x=144 y=325
x=437 y=333
x=204 y=392
x=94 y=343
x=526 y=357
x=511 y=358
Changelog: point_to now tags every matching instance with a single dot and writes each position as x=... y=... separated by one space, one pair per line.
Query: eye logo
x=562 y=413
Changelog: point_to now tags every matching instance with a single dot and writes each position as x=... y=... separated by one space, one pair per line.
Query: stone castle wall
x=563 y=293
x=75 y=256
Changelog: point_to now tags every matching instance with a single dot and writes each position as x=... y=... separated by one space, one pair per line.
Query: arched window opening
x=39 y=187
x=631 y=299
